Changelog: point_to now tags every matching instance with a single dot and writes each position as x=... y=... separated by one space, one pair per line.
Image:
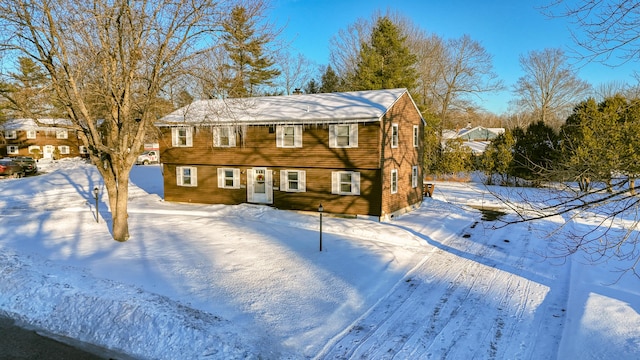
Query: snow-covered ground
x=249 y=282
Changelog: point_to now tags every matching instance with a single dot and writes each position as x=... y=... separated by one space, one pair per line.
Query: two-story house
x=49 y=139
x=356 y=153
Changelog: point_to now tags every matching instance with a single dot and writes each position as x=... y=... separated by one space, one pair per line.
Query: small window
x=228 y=178
x=224 y=136
x=83 y=150
x=394 y=135
x=12 y=150
x=187 y=176
x=394 y=181
x=182 y=136
x=62 y=134
x=31 y=134
x=414 y=177
x=293 y=180
x=416 y=136
x=345 y=182
x=10 y=134
x=343 y=136
x=289 y=136
x=64 y=149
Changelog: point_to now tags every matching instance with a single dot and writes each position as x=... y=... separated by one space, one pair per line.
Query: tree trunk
x=632 y=185
x=118 y=190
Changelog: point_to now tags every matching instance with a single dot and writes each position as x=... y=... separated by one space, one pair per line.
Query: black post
x=95 y=193
x=320 y=209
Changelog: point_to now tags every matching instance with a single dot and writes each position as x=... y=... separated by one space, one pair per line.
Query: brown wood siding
x=258 y=148
x=318 y=190
x=402 y=158
x=43 y=137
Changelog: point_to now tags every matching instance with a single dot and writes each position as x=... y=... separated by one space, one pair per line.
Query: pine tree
x=330 y=81
x=249 y=67
x=386 y=62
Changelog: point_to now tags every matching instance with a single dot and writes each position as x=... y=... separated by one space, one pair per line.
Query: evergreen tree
x=386 y=62
x=249 y=67
x=535 y=151
x=330 y=81
x=312 y=87
x=498 y=157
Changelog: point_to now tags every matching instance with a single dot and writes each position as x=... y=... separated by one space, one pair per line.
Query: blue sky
x=506 y=28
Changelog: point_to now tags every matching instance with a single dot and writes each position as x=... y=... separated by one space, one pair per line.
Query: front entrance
x=48 y=151
x=259 y=186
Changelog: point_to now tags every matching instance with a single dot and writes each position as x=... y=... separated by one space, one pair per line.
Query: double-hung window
x=224 y=136
x=12 y=149
x=62 y=134
x=394 y=135
x=416 y=136
x=414 y=177
x=228 y=178
x=289 y=136
x=394 y=181
x=187 y=176
x=31 y=134
x=10 y=134
x=182 y=136
x=343 y=136
x=345 y=182
x=293 y=180
x=64 y=149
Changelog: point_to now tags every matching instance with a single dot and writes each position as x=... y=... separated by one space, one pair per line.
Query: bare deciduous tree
x=108 y=62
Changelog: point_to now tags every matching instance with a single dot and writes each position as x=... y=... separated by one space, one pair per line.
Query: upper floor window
x=289 y=136
x=228 y=178
x=343 y=136
x=187 y=176
x=394 y=135
x=31 y=134
x=416 y=136
x=10 y=134
x=394 y=181
x=62 y=134
x=293 y=180
x=345 y=182
x=224 y=136
x=182 y=136
x=414 y=177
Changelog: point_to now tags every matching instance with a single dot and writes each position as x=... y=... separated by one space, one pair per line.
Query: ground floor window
x=414 y=177
x=293 y=180
x=394 y=181
x=187 y=176
x=228 y=178
x=64 y=149
x=12 y=149
x=345 y=182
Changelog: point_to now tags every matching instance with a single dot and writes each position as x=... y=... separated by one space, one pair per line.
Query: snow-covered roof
x=357 y=106
x=30 y=124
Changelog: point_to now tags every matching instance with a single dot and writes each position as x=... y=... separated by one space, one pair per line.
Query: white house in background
x=476 y=138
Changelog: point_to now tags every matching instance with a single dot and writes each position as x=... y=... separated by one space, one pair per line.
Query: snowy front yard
x=220 y=282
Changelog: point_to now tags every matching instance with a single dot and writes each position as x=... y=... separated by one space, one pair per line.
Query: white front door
x=259 y=186
x=48 y=151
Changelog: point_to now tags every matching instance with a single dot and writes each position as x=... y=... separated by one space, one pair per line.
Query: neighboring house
x=476 y=138
x=357 y=153
x=23 y=137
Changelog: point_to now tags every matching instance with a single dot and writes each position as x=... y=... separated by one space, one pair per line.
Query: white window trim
x=221 y=178
x=297 y=136
x=232 y=136
x=416 y=135
x=188 y=134
x=64 y=149
x=62 y=134
x=83 y=150
x=395 y=135
x=353 y=136
x=180 y=176
x=284 y=181
x=10 y=134
x=394 y=181
x=415 y=173
x=32 y=134
x=355 y=183
x=13 y=149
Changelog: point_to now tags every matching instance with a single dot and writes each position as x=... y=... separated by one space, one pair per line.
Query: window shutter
x=279 y=136
x=194 y=176
x=355 y=183
x=178 y=175
x=232 y=136
x=189 y=137
x=216 y=137
x=250 y=187
x=335 y=182
x=353 y=135
x=297 y=137
x=236 y=178
x=174 y=136
x=220 y=177
x=283 y=180
x=302 y=181
x=269 y=185
x=332 y=136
